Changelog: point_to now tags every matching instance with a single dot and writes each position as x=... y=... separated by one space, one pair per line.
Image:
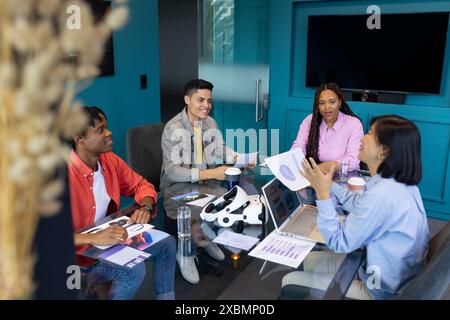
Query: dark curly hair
x=93 y=113
x=312 y=147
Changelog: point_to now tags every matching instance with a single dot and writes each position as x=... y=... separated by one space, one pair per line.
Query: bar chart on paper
x=283 y=249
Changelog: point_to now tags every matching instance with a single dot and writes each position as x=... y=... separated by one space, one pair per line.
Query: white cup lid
x=233 y=171
x=356 y=181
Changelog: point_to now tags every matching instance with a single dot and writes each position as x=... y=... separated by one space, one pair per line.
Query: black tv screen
x=406 y=55
x=99 y=9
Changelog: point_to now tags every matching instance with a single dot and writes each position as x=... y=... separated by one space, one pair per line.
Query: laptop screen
x=282 y=201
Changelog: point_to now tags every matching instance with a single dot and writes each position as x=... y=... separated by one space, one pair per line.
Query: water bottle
x=184 y=233
x=184 y=222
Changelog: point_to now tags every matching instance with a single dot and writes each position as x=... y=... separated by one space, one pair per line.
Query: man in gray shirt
x=191 y=142
x=194 y=150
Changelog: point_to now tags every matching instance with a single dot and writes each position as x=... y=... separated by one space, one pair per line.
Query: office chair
x=144 y=153
x=430 y=283
x=434 y=279
x=145 y=156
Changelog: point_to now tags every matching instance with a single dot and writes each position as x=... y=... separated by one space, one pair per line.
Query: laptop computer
x=289 y=215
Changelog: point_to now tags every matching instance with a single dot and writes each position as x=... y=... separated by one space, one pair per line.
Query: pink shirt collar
x=337 y=125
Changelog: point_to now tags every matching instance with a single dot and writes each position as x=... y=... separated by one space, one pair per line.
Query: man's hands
x=215 y=173
x=140 y=215
x=115 y=234
x=219 y=172
x=111 y=235
x=320 y=182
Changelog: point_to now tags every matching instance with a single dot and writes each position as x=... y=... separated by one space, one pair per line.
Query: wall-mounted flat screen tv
x=406 y=55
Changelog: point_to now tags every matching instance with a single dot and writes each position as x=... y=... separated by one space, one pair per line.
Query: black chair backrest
x=438 y=240
x=144 y=153
x=432 y=282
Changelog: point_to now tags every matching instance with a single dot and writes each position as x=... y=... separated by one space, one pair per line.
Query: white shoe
x=214 y=251
x=188 y=269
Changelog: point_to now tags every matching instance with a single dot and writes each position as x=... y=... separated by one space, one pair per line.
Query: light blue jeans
x=126 y=281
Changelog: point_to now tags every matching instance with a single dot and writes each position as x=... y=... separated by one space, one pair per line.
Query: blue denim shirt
x=389 y=219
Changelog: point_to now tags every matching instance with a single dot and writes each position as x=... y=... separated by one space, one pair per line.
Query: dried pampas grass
x=38 y=82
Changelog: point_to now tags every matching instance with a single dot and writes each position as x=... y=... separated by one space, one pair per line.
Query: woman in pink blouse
x=332 y=132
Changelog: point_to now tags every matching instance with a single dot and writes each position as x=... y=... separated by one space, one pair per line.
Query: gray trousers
x=319 y=269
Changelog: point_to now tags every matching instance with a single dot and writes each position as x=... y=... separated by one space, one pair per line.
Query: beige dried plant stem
x=38 y=86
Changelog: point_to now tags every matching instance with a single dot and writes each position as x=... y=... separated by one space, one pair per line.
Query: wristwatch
x=147 y=207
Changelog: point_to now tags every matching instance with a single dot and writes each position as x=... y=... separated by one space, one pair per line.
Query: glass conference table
x=202 y=232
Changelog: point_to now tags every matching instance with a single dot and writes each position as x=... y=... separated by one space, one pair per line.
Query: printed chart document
x=124 y=256
x=286 y=167
x=244 y=159
x=282 y=249
x=133 y=229
x=236 y=240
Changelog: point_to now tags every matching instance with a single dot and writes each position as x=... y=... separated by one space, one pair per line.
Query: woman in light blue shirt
x=388 y=218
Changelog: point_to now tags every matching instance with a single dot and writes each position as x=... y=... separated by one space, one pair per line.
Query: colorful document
x=129 y=253
x=132 y=228
x=146 y=239
x=286 y=167
x=283 y=249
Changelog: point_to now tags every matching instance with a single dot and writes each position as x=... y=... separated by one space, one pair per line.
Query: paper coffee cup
x=356 y=184
x=232 y=175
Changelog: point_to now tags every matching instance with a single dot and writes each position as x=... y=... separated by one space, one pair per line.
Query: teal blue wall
x=291 y=101
x=135 y=52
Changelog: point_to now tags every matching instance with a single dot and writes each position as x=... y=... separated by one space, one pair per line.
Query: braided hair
x=312 y=146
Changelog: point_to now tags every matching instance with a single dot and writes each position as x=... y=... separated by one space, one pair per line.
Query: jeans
x=126 y=281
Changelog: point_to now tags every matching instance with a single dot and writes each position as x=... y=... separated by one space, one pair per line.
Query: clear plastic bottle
x=184 y=233
x=184 y=222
